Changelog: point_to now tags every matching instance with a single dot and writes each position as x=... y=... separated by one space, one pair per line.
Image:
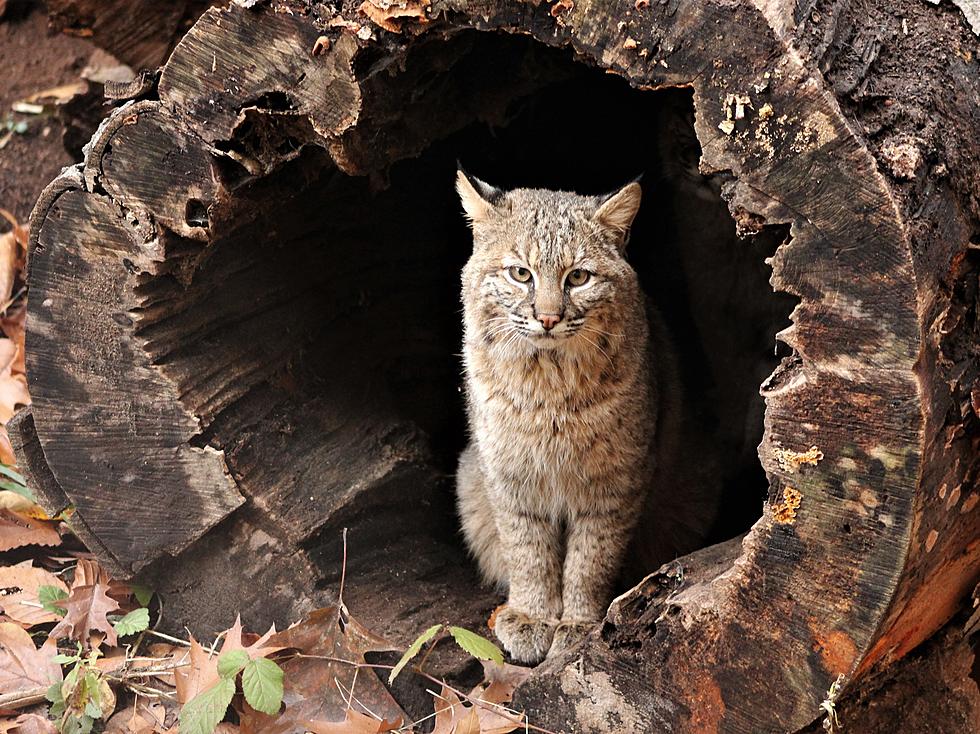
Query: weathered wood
x=139 y=33
x=226 y=287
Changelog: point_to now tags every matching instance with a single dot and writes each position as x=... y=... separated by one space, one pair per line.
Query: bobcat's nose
x=548 y=320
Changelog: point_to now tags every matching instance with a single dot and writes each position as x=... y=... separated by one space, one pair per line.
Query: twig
x=343 y=573
x=20 y=699
x=168 y=638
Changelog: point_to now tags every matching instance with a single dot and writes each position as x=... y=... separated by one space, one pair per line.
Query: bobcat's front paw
x=568 y=634
x=526 y=639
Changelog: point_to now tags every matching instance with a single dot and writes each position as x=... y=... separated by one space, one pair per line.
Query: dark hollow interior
x=337 y=389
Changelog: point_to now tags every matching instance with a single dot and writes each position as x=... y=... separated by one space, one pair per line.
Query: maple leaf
x=326 y=633
x=452 y=717
x=201 y=671
x=23 y=666
x=85 y=609
x=17 y=530
x=20 y=599
x=486 y=714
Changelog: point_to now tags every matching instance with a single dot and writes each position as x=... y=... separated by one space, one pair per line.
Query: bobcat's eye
x=521 y=275
x=578 y=277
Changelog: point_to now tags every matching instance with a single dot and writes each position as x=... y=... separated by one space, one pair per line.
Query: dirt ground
x=33 y=58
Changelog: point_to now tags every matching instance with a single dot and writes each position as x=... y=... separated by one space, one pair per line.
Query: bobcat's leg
x=532 y=546
x=595 y=547
x=476 y=517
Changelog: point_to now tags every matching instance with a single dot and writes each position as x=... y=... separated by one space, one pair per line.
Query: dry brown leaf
x=7 y=455
x=201 y=671
x=500 y=680
x=452 y=717
x=484 y=712
x=88 y=572
x=34 y=724
x=86 y=608
x=23 y=666
x=143 y=717
x=57 y=95
x=311 y=683
x=20 y=584
x=354 y=723
x=199 y=674
x=9 y=265
x=13 y=383
x=16 y=530
x=21 y=505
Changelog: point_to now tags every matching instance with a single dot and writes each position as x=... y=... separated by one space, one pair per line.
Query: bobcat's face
x=547 y=269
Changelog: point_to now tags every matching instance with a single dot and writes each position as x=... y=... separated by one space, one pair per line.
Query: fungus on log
x=243 y=319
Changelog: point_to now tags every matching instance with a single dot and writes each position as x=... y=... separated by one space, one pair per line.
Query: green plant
x=14 y=481
x=83 y=696
x=477 y=646
x=261 y=684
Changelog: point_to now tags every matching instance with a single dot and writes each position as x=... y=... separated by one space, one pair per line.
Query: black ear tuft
x=491 y=194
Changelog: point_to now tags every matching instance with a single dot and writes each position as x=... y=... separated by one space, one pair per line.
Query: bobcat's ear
x=479 y=198
x=617 y=212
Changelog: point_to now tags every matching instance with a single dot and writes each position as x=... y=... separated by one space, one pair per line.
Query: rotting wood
x=880 y=546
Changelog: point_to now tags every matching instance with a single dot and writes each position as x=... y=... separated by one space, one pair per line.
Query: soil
x=33 y=58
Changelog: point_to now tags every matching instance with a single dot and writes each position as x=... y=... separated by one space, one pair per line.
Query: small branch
x=20 y=699
x=168 y=638
x=343 y=573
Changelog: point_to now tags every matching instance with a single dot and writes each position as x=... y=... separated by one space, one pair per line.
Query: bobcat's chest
x=552 y=427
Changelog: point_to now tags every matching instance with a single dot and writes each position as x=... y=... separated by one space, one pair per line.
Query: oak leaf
x=20 y=600
x=85 y=609
x=23 y=666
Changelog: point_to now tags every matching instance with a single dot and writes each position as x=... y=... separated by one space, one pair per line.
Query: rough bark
x=163 y=378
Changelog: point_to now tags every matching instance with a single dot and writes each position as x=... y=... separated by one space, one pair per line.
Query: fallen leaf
x=201 y=671
x=21 y=505
x=500 y=681
x=57 y=95
x=13 y=251
x=85 y=609
x=452 y=717
x=199 y=674
x=23 y=666
x=143 y=717
x=354 y=723
x=34 y=724
x=19 y=584
x=16 y=530
x=312 y=684
x=485 y=713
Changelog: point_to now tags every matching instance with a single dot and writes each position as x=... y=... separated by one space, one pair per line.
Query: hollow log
x=243 y=321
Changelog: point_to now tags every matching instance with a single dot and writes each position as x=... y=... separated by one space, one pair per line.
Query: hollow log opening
x=318 y=337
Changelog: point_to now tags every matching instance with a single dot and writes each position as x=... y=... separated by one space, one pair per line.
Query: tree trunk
x=244 y=309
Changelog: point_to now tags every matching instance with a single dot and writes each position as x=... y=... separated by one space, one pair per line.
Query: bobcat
x=561 y=401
